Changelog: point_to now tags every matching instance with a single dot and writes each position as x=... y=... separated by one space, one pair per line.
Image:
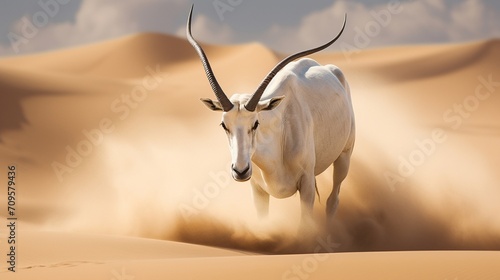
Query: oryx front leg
x=307 y=190
x=261 y=200
x=340 y=169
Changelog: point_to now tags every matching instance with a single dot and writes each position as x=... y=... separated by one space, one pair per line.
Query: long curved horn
x=219 y=93
x=254 y=100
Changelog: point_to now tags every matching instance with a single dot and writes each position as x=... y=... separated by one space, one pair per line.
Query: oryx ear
x=269 y=104
x=212 y=104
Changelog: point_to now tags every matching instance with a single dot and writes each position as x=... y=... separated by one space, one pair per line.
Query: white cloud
x=422 y=21
x=100 y=20
x=468 y=18
x=104 y=19
x=207 y=30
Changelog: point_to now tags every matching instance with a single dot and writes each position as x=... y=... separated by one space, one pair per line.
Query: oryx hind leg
x=340 y=170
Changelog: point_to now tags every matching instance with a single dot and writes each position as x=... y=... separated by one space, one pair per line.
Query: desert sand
x=122 y=173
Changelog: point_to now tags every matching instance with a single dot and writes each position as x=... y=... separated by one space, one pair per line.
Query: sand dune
x=113 y=146
x=112 y=257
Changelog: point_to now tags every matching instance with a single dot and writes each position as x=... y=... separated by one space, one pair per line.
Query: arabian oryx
x=298 y=122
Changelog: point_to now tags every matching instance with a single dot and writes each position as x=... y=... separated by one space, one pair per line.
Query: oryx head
x=240 y=114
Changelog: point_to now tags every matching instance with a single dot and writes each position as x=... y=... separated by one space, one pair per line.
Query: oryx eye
x=255 y=125
x=224 y=126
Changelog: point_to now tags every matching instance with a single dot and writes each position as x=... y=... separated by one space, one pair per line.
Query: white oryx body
x=298 y=122
x=311 y=129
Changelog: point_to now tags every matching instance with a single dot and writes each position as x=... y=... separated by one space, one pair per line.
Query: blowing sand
x=122 y=172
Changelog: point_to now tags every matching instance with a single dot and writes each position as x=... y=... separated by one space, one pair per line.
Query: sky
x=28 y=26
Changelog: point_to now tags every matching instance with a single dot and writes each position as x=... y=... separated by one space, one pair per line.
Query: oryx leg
x=307 y=190
x=261 y=200
x=340 y=169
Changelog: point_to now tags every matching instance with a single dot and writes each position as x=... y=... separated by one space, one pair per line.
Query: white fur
x=312 y=128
